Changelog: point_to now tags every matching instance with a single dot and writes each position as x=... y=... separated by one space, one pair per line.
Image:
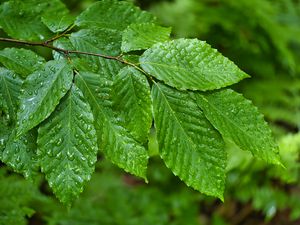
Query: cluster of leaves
x=264 y=39
x=108 y=81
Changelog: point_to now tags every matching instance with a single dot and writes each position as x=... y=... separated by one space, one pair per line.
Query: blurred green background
x=263 y=38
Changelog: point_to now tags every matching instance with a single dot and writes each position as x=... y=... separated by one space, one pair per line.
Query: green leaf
x=21 y=61
x=190 y=64
x=238 y=120
x=67 y=146
x=112 y=14
x=43 y=90
x=101 y=41
x=143 y=36
x=57 y=18
x=114 y=140
x=10 y=85
x=20 y=154
x=132 y=102
x=188 y=143
x=21 y=19
x=63 y=43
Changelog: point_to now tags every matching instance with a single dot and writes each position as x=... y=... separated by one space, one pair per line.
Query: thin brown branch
x=65 y=51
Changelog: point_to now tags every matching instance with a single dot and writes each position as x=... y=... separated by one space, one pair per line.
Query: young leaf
x=20 y=154
x=237 y=119
x=114 y=140
x=57 y=17
x=21 y=61
x=67 y=146
x=143 y=36
x=21 y=19
x=190 y=64
x=103 y=41
x=188 y=143
x=112 y=14
x=132 y=102
x=43 y=90
x=10 y=85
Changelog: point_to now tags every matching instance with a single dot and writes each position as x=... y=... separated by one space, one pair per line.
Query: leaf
x=21 y=19
x=190 y=64
x=188 y=144
x=57 y=18
x=20 y=154
x=10 y=85
x=237 y=119
x=63 y=43
x=132 y=102
x=101 y=41
x=143 y=36
x=43 y=90
x=67 y=146
x=21 y=61
x=114 y=140
x=112 y=14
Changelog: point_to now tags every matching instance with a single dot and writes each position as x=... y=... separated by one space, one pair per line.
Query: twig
x=65 y=51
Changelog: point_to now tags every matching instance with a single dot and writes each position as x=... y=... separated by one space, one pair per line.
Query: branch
x=65 y=51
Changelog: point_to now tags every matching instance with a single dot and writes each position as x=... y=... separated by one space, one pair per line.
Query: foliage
x=51 y=102
x=101 y=91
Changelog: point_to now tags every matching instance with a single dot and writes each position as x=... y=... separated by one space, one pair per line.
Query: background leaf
x=190 y=64
x=188 y=143
x=101 y=41
x=21 y=61
x=67 y=146
x=57 y=17
x=20 y=154
x=112 y=14
x=21 y=19
x=143 y=36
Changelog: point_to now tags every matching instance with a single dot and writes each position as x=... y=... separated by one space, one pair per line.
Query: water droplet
x=59 y=142
x=70 y=155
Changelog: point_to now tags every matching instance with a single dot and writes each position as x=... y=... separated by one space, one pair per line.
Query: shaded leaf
x=67 y=146
x=21 y=61
x=21 y=19
x=57 y=18
x=20 y=154
x=112 y=14
x=132 y=102
x=143 y=36
x=190 y=64
x=114 y=140
x=10 y=85
x=188 y=143
x=237 y=119
x=42 y=91
x=103 y=41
